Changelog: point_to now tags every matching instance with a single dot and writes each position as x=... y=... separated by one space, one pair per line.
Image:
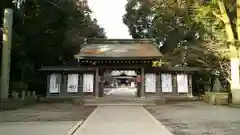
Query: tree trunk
x=22 y=74
x=235 y=62
x=226 y=20
x=235 y=85
x=233 y=51
x=6 y=52
x=238 y=19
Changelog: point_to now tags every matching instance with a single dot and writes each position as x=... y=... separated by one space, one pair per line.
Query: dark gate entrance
x=119 y=82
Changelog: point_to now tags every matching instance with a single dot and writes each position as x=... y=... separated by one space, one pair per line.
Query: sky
x=109 y=16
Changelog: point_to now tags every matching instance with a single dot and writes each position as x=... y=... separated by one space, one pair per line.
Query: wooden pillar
x=174 y=84
x=80 y=84
x=142 y=90
x=101 y=87
x=158 y=84
x=97 y=83
x=63 y=87
x=190 y=85
x=48 y=85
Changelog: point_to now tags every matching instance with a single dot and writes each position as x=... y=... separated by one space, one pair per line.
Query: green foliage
x=164 y=21
x=19 y=86
x=187 y=31
x=174 y=21
x=212 y=25
x=48 y=33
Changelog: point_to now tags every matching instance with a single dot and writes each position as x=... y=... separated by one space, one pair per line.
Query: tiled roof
x=115 y=48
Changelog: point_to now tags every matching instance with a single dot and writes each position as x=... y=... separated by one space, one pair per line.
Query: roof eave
x=117 y=58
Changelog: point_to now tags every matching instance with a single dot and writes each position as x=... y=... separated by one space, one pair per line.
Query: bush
x=19 y=86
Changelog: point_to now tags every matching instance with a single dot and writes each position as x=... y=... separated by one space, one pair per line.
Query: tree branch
x=218 y=16
x=54 y=4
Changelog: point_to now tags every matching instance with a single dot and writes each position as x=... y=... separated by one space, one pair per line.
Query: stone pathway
x=121 y=120
x=198 y=118
x=36 y=128
x=121 y=91
x=43 y=119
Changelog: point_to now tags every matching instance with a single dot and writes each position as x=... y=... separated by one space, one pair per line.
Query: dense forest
x=47 y=33
x=197 y=33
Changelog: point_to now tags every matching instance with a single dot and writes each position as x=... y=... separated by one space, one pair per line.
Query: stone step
x=153 y=100
x=119 y=104
x=120 y=101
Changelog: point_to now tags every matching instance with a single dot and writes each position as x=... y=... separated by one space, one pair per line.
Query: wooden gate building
x=85 y=76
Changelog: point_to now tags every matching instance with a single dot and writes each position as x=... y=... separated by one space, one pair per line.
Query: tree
x=6 y=48
x=166 y=21
x=171 y=24
x=224 y=14
x=215 y=22
x=43 y=37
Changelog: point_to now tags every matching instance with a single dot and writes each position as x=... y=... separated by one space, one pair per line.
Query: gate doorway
x=120 y=82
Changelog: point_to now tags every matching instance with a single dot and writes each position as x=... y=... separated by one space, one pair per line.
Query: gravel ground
x=198 y=118
x=47 y=112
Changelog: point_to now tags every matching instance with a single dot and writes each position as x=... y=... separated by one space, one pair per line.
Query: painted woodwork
x=159 y=83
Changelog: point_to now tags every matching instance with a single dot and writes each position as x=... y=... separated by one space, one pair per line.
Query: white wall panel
x=182 y=83
x=166 y=83
x=88 y=82
x=150 y=83
x=54 y=83
x=72 y=83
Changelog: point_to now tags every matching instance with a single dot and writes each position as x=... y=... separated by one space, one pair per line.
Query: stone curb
x=74 y=128
x=164 y=129
x=79 y=124
x=234 y=105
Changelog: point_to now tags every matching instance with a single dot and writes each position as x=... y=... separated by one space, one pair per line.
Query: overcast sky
x=109 y=15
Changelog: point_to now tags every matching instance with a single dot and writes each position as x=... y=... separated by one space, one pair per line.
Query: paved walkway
x=36 y=128
x=121 y=120
x=121 y=91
